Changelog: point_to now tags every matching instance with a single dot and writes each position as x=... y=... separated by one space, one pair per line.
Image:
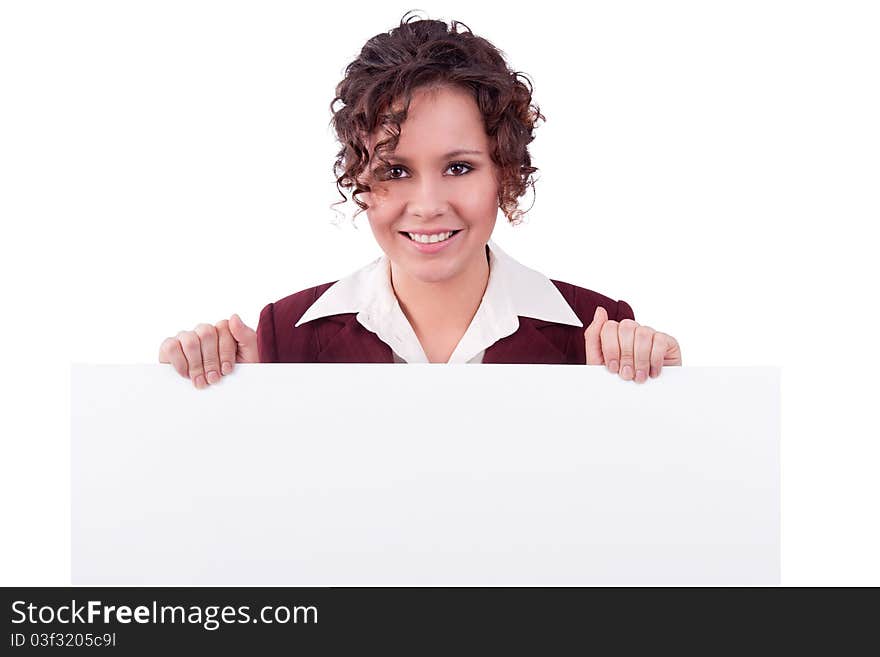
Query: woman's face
x=430 y=188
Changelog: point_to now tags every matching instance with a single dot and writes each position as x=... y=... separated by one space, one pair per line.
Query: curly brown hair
x=426 y=53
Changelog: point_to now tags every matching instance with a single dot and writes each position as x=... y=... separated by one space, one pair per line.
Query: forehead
x=439 y=120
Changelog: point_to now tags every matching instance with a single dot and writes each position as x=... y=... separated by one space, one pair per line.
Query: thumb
x=246 y=337
x=592 y=337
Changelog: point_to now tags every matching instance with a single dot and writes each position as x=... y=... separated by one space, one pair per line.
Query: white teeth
x=429 y=239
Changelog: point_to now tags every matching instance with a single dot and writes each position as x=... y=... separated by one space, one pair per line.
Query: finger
x=626 y=335
x=227 y=347
x=210 y=351
x=610 y=345
x=164 y=348
x=591 y=337
x=246 y=337
x=192 y=350
x=171 y=352
x=657 y=350
x=644 y=338
x=672 y=355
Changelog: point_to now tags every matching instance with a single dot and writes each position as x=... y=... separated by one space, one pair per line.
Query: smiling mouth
x=453 y=234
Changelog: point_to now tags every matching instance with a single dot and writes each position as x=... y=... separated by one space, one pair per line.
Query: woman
x=434 y=130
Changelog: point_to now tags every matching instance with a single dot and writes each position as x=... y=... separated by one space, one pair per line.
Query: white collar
x=516 y=288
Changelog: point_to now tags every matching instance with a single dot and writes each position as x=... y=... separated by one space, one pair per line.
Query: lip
x=431 y=248
x=432 y=231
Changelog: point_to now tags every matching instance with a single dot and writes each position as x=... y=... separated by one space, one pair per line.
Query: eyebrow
x=455 y=153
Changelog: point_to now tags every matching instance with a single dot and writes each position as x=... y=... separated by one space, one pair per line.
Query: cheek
x=379 y=200
x=480 y=199
x=381 y=215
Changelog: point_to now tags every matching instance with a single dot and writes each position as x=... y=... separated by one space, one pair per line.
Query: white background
x=714 y=164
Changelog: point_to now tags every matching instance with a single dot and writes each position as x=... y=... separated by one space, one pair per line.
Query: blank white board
x=425 y=474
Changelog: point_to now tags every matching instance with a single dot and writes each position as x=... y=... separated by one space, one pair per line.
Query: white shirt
x=513 y=290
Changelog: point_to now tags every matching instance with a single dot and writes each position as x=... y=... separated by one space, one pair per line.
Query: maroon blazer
x=343 y=339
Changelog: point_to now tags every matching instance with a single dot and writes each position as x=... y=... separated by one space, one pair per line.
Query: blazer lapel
x=526 y=345
x=354 y=344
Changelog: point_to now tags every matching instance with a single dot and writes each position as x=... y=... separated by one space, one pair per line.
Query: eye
x=467 y=168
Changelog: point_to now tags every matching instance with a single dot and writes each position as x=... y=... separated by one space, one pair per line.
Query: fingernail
x=627 y=372
x=200 y=381
x=641 y=377
x=213 y=377
x=613 y=366
x=226 y=368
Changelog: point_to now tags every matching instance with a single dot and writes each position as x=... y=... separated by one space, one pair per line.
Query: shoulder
x=584 y=302
x=278 y=340
x=293 y=306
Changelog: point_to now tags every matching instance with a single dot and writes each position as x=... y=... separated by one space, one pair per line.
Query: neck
x=442 y=305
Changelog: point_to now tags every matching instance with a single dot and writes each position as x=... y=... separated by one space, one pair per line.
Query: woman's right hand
x=208 y=352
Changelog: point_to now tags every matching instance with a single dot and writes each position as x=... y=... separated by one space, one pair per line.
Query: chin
x=432 y=273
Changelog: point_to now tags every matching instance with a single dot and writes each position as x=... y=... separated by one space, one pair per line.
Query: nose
x=429 y=198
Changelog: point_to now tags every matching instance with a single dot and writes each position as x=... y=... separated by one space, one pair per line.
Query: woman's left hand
x=627 y=347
